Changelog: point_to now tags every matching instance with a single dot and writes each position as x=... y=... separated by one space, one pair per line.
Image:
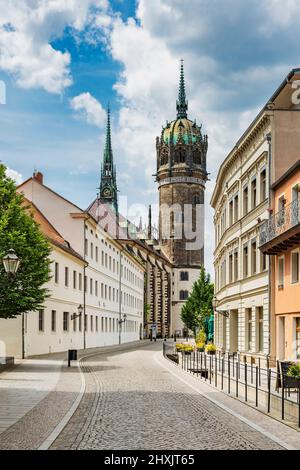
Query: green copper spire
x=108 y=153
x=182 y=104
x=108 y=184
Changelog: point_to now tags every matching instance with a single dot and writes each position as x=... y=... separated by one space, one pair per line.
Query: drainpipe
x=269 y=140
x=84 y=286
x=120 y=297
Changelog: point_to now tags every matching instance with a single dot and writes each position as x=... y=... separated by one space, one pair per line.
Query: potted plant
x=200 y=346
x=188 y=349
x=179 y=347
x=211 y=349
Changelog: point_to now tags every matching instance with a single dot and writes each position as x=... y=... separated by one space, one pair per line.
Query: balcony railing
x=278 y=224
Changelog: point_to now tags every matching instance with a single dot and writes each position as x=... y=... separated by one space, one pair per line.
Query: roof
x=49 y=230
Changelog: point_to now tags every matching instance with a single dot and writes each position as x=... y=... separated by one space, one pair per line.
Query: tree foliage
x=25 y=291
x=199 y=303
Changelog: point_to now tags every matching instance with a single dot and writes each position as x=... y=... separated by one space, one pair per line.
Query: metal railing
x=280 y=223
x=272 y=391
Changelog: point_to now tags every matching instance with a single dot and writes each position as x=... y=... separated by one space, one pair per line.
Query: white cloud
x=27 y=28
x=17 y=177
x=88 y=108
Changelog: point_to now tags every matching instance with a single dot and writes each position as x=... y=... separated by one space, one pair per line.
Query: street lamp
x=11 y=262
x=124 y=319
x=215 y=304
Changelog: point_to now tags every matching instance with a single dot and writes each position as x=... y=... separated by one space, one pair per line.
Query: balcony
x=282 y=231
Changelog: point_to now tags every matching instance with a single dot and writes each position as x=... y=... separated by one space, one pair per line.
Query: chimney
x=38 y=176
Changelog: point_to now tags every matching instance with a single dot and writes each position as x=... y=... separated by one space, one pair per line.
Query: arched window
x=184 y=276
x=183 y=295
x=164 y=157
x=180 y=155
x=197 y=157
x=196 y=200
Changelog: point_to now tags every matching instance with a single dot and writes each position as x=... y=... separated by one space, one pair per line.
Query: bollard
x=210 y=369
x=299 y=403
x=205 y=377
x=259 y=371
x=269 y=390
x=228 y=368
x=201 y=365
x=251 y=373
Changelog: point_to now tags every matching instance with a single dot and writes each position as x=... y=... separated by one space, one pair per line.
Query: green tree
x=25 y=291
x=199 y=303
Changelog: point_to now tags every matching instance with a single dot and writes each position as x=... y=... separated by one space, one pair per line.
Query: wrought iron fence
x=280 y=223
x=264 y=388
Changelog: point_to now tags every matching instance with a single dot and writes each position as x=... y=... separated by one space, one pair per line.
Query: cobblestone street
x=131 y=402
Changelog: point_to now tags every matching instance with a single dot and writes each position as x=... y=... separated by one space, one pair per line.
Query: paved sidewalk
x=24 y=386
x=36 y=395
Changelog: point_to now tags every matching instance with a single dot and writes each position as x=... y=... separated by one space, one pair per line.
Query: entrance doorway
x=234 y=330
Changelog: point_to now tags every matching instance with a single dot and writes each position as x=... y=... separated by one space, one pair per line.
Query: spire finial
x=182 y=104
x=108 y=154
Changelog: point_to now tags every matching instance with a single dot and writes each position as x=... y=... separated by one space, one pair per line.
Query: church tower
x=108 y=184
x=181 y=176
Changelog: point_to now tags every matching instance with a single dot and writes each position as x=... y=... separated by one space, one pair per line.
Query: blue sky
x=62 y=61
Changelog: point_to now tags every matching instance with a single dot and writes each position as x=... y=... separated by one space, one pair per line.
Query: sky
x=62 y=61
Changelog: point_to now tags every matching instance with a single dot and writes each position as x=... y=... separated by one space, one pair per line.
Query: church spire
x=182 y=104
x=108 y=184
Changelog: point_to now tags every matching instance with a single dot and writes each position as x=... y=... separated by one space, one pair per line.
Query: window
x=97 y=254
x=80 y=281
x=280 y=272
x=253 y=194
x=74 y=280
x=66 y=276
x=74 y=322
x=53 y=320
x=260 y=329
x=86 y=247
x=295 y=267
x=41 y=320
x=249 y=328
x=245 y=261
x=56 y=273
x=281 y=211
x=96 y=288
x=253 y=257
x=92 y=250
x=92 y=323
x=85 y=322
x=236 y=266
x=184 y=276
x=80 y=322
x=230 y=268
x=66 y=321
x=97 y=324
x=231 y=212
x=245 y=201
x=183 y=295
x=263 y=185
x=263 y=261
x=236 y=208
x=91 y=286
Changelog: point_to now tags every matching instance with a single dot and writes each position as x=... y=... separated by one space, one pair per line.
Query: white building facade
x=240 y=201
x=89 y=269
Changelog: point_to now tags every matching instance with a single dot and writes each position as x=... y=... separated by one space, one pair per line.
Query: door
x=295 y=205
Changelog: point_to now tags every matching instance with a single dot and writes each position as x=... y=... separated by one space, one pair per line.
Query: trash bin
x=72 y=356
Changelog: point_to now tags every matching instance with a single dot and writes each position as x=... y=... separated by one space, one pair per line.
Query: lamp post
x=74 y=316
x=11 y=262
x=120 y=325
